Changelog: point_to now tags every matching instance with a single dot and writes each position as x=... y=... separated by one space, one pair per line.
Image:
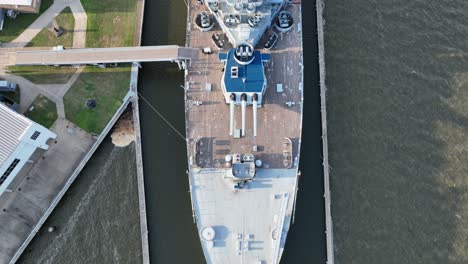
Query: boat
x=243 y=112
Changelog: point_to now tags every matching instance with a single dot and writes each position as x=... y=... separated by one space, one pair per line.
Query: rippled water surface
x=398 y=129
x=97 y=221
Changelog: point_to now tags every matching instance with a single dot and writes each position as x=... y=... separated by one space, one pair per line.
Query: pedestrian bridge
x=172 y=53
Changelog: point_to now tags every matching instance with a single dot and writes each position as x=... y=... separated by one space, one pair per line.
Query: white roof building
x=27 y=6
x=19 y=139
x=16 y=2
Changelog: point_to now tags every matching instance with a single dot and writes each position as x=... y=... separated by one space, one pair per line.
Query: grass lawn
x=13 y=96
x=107 y=86
x=44 y=74
x=111 y=23
x=44 y=112
x=46 y=38
x=13 y=28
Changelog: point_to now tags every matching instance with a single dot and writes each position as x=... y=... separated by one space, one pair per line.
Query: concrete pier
x=138 y=151
x=323 y=101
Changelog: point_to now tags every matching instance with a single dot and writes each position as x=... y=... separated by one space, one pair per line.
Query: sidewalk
x=29 y=90
x=79 y=37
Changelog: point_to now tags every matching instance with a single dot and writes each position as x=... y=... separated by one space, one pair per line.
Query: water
x=398 y=124
x=172 y=234
x=97 y=221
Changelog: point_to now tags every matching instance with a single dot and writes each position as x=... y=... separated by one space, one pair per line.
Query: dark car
x=8 y=102
x=6 y=86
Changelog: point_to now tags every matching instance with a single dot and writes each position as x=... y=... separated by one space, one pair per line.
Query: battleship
x=243 y=108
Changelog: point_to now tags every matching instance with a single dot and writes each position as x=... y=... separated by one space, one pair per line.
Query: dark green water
x=398 y=130
x=173 y=235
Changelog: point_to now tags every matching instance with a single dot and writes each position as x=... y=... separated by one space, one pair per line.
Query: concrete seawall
x=323 y=101
x=139 y=163
x=138 y=151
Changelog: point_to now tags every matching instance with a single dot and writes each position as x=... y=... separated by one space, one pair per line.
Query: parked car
x=6 y=86
x=8 y=102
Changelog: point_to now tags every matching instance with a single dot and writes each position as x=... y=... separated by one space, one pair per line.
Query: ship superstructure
x=243 y=119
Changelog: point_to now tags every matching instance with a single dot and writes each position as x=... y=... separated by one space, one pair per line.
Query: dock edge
x=323 y=102
x=138 y=150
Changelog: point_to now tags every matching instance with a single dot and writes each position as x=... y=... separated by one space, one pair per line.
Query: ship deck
x=250 y=223
x=208 y=123
x=247 y=220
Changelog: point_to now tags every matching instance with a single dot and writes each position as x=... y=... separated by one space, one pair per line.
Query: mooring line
x=162 y=117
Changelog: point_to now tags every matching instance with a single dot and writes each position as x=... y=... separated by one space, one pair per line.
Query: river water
x=173 y=234
x=398 y=130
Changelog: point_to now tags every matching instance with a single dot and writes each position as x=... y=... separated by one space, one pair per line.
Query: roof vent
x=234 y=72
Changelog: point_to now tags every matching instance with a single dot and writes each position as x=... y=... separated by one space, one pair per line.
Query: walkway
x=55 y=92
x=79 y=32
x=79 y=37
x=101 y=55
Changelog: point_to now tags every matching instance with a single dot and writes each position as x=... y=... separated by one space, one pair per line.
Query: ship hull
x=247 y=224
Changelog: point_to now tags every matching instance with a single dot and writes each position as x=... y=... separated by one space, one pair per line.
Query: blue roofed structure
x=244 y=75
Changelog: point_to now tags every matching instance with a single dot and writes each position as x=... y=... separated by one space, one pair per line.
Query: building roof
x=12 y=128
x=250 y=78
x=16 y=2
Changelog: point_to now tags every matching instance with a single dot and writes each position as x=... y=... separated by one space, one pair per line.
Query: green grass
x=44 y=112
x=107 y=86
x=111 y=23
x=44 y=74
x=13 y=96
x=47 y=38
x=13 y=28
